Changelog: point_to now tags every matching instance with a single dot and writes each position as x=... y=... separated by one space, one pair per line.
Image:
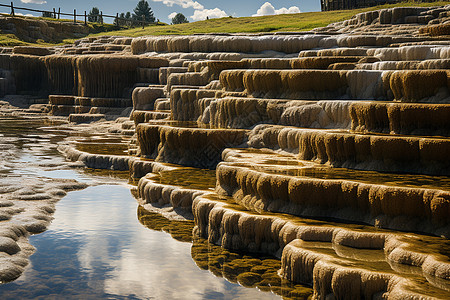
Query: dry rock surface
x=327 y=149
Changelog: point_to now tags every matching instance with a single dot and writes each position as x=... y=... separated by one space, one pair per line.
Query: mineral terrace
x=331 y=148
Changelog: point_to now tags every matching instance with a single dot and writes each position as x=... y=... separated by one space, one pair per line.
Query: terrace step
x=263 y=180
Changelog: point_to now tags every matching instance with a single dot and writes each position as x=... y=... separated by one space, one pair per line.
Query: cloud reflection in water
x=96 y=247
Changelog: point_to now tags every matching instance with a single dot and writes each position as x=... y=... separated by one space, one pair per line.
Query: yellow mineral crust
x=188 y=104
x=332 y=268
x=195 y=147
x=396 y=207
x=404 y=86
x=62 y=74
x=399 y=118
x=371 y=152
x=410 y=86
x=241 y=112
x=322 y=62
x=29 y=72
x=436 y=30
x=149 y=191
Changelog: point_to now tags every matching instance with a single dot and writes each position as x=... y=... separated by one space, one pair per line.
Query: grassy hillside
x=293 y=22
x=21 y=38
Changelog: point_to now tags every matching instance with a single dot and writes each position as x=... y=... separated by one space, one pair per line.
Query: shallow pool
x=96 y=247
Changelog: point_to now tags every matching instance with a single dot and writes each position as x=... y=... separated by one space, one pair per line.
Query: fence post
x=117 y=20
x=85 y=18
x=59 y=12
x=101 y=17
x=54 y=13
x=74 y=16
x=143 y=21
x=12 y=9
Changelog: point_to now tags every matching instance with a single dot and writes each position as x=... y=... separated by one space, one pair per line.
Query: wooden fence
x=57 y=15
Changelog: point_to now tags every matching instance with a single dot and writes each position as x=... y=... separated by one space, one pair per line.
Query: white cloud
x=172 y=15
x=26 y=15
x=267 y=9
x=182 y=3
x=290 y=10
x=210 y=13
x=200 y=12
x=34 y=1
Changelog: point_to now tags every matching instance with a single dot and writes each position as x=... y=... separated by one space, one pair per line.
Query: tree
x=94 y=15
x=143 y=9
x=179 y=19
x=125 y=19
x=121 y=20
x=129 y=18
x=47 y=14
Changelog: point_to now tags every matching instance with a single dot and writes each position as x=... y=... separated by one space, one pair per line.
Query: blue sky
x=192 y=9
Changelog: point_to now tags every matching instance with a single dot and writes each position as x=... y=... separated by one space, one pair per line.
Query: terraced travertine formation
x=328 y=149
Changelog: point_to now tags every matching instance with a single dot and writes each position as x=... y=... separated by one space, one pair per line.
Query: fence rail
x=57 y=15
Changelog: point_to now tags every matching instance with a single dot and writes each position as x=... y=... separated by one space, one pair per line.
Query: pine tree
x=143 y=9
x=47 y=14
x=94 y=15
x=129 y=21
x=179 y=19
x=122 y=19
x=125 y=19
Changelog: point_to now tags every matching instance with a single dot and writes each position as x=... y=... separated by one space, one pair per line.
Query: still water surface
x=96 y=248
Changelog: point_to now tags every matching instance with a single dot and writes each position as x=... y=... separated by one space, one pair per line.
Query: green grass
x=93 y=27
x=293 y=22
x=10 y=40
